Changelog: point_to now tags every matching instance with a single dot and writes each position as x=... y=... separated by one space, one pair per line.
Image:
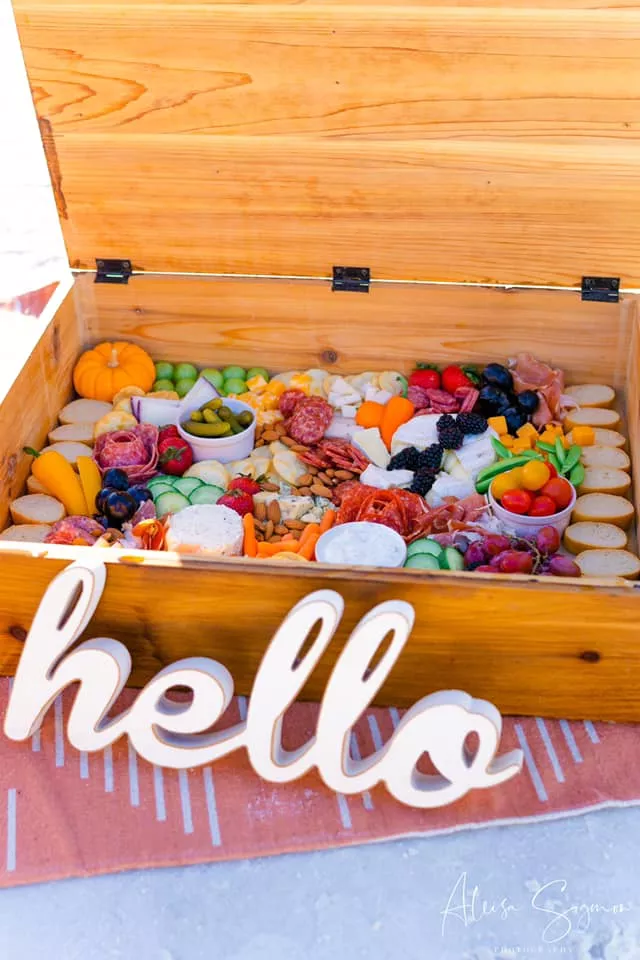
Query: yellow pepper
x=58 y=476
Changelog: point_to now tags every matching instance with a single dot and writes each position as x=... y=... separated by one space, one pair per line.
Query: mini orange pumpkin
x=103 y=371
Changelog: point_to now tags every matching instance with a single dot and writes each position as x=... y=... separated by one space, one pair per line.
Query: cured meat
x=311 y=418
x=135 y=451
x=531 y=374
x=289 y=401
x=419 y=397
x=467 y=397
x=338 y=454
x=442 y=402
x=75 y=531
x=402 y=511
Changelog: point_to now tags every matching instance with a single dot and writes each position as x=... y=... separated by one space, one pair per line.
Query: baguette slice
x=78 y=432
x=70 y=450
x=594 y=536
x=84 y=411
x=26 y=532
x=34 y=486
x=604 y=480
x=605 y=438
x=36 y=508
x=592 y=417
x=592 y=394
x=601 y=456
x=609 y=563
x=603 y=508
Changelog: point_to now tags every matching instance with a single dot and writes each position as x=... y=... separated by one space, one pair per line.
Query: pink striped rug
x=66 y=814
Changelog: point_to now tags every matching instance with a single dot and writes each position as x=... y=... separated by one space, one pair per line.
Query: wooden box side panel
x=427 y=142
x=286 y=325
x=557 y=650
x=31 y=408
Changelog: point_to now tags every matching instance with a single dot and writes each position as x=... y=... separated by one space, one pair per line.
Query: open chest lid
x=455 y=144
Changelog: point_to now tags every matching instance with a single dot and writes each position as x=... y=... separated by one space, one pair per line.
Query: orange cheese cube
x=522 y=444
x=499 y=424
x=584 y=436
x=507 y=440
x=528 y=430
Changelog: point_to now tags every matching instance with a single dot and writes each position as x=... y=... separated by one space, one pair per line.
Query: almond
x=275 y=539
x=304 y=491
x=305 y=480
x=269 y=436
x=280 y=429
x=259 y=536
x=268 y=530
x=294 y=524
x=344 y=475
x=319 y=490
x=274 y=513
x=330 y=472
x=298 y=448
x=270 y=487
x=325 y=478
x=288 y=442
x=281 y=530
x=260 y=511
x=312 y=470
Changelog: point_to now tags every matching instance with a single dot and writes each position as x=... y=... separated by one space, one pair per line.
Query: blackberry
x=431 y=458
x=423 y=480
x=445 y=422
x=407 y=459
x=471 y=423
x=451 y=437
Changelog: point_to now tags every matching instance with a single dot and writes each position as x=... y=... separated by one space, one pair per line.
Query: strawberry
x=237 y=500
x=245 y=484
x=454 y=377
x=426 y=378
x=175 y=457
x=168 y=431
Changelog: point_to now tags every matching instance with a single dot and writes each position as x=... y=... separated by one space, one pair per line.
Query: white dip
x=362 y=544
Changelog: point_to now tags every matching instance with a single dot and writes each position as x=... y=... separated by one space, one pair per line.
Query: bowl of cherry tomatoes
x=531 y=497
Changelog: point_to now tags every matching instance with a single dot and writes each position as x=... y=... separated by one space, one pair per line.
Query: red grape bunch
x=496 y=553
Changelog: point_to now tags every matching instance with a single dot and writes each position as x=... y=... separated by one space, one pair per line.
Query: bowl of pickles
x=221 y=429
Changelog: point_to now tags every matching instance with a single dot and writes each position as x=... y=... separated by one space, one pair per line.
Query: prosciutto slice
x=532 y=374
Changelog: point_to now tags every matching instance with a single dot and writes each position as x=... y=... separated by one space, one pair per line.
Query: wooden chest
x=478 y=160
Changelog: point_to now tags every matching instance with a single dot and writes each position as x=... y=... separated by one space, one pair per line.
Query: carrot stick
x=270 y=549
x=250 y=542
x=328 y=519
x=308 y=549
x=310 y=530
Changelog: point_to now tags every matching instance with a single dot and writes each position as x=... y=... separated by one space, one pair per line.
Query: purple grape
x=495 y=544
x=516 y=562
x=460 y=543
x=548 y=540
x=484 y=568
x=561 y=566
x=497 y=560
x=475 y=556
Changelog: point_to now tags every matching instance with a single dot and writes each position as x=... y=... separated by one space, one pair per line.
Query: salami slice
x=75 y=530
x=310 y=420
x=288 y=402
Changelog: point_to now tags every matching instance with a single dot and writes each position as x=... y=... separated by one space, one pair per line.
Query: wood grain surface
x=31 y=407
x=426 y=142
x=546 y=650
x=286 y=325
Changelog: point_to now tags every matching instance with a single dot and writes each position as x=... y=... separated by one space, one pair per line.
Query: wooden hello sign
x=179 y=735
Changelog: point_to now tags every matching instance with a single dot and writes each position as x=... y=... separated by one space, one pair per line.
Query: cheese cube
x=522 y=444
x=584 y=436
x=528 y=430
x=499 y=424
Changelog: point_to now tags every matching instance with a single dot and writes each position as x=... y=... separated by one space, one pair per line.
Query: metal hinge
x=113 y=271
x=601 y=289
x=351 y=279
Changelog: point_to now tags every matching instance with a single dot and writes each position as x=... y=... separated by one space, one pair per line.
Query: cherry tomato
x=503 y=482
x=535 y=474
x=543 y=506
x=560 y=491
x=517 y=501
x=552 y=469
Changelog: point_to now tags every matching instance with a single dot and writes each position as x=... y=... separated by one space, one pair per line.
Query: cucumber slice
x=206 y=493
x=452 y=559
x=162 y=478
x=159 y=488
x=424 y=546
x=172 y=502
x=186 y=485
x=422 y=561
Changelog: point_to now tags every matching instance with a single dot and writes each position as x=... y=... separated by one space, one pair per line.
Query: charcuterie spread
x=501 y=468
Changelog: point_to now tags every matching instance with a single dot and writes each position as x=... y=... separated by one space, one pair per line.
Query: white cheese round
x=206 y=529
